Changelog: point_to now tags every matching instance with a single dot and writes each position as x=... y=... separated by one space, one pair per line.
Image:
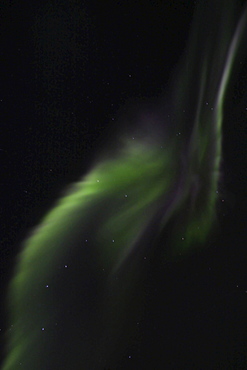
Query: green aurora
x=122 y=201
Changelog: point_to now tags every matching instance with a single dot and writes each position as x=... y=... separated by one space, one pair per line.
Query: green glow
x=118 y=200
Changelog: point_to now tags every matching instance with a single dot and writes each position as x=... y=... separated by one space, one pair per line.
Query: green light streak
x=118 y=200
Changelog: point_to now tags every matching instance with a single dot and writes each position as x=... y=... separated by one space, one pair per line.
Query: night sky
x=68 y=69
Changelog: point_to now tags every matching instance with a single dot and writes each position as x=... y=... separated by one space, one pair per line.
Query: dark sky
x=66 y=68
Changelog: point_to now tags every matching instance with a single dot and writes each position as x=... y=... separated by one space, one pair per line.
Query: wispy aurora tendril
x=111 y=210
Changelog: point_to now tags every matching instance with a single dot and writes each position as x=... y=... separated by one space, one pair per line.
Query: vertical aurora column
x=205 y=75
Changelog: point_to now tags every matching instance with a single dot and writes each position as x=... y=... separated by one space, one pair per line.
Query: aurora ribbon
x=113 y=215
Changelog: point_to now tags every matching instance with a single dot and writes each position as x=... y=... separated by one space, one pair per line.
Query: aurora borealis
x=116 y=212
